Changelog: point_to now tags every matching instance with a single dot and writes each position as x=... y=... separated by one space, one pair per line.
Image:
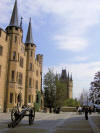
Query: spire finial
x=29 y=38
x=30 y=19
x=14 y=17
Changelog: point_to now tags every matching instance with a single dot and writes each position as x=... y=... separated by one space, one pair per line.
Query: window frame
x=11 y=98
x=1 y=50
x=13 y=75
x=14 y=55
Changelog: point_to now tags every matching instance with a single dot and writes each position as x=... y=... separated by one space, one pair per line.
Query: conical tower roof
x=14 y=17
x=29 y=38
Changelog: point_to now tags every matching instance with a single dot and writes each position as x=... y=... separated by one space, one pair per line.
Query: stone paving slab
x=96 y=120
x=77 y=124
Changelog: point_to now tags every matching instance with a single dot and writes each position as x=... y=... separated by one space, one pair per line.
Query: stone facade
x=20 y=70
x=68 y=81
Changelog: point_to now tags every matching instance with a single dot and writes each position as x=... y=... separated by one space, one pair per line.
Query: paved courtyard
x=53 y=123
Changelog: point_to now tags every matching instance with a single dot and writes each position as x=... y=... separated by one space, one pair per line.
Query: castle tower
x=17 y=62
x=30 y=68
x=20 y=71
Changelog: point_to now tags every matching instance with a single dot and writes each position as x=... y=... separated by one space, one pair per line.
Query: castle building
x=20 y=69
x=68 y=81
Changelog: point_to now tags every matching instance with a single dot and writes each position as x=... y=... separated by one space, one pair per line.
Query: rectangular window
x=0 y=70
x=30 y=66
x=15 y=98
x=29 y=98
x=11 y=97
x=32 y=98
x=37 y=84
x=13 y=75
x=20 y=78
x=37 y=73
x=21 y=61
x=1 y=50
x=30 y=82
x=14 y=55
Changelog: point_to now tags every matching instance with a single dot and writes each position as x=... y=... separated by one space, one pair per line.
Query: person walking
x=86 y=113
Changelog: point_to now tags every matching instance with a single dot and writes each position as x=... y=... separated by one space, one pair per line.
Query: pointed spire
x=14 y=17
x=29 y=38
x=71 y=77
x=21 y=22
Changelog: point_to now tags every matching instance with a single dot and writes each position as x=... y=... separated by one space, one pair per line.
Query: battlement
x=14 y=30
x=3 y=35
x=39 y=58
x=30 y=46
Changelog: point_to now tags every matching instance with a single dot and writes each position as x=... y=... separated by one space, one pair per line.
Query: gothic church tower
x=67 y=79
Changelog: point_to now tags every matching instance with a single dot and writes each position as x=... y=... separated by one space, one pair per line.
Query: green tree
x=49 y=89
x=94 y=94
x=37 y=104
x=71 y=102
x=60 y=93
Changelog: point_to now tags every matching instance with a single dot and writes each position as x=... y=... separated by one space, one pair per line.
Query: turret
x=29 y=41
x=13 y=27
x=39 y=58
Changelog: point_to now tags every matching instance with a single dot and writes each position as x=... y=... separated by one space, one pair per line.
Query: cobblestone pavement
x=53 y=123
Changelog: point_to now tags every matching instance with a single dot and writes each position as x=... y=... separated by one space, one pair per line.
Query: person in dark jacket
x=86 y=113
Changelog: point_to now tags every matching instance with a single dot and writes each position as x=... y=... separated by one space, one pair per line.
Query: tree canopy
x=49 y=89
x=94 y=94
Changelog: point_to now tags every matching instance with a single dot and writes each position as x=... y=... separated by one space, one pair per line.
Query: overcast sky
x=66 y=32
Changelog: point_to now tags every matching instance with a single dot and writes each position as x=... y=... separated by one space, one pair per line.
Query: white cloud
x=80 y=58
x=71 y=43
x=83 y=74
x=76 y=17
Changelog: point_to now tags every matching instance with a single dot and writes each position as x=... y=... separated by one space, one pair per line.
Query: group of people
x=86 y=110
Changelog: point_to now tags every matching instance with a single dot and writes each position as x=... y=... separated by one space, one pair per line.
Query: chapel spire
x=29 y=38
x=14 y=17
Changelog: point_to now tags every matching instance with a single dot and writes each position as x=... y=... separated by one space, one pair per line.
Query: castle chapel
x=20 y=69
